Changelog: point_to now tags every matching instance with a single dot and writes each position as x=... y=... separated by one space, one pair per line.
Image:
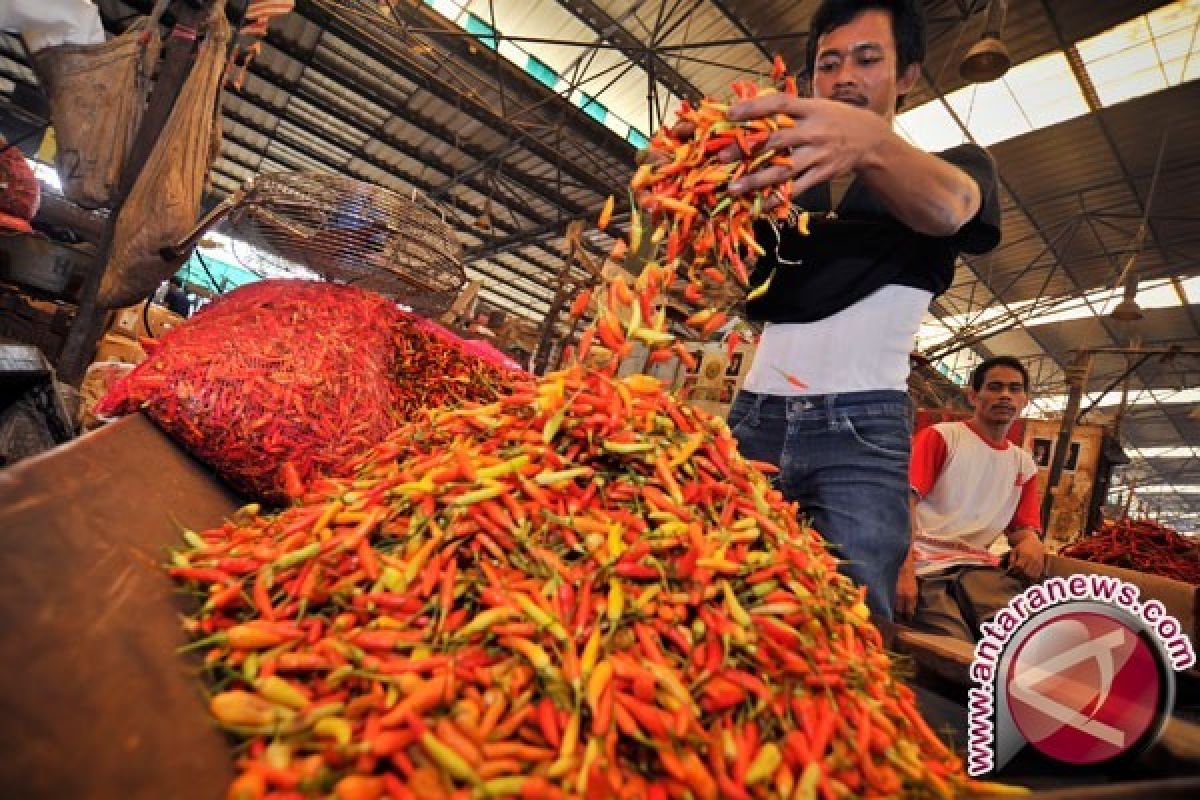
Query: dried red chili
x=279 y=382
x=1142 y=545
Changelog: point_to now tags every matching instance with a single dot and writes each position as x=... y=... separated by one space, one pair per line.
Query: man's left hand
x=1028 y=557
x=828 y=139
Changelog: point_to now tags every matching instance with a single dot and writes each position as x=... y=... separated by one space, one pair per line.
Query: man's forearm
x=926 y=193
x=1020 y=534
x=910 y=560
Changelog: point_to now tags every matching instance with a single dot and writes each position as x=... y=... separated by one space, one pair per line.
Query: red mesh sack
x=20 y=194
x=281 y=382
x=482 y=350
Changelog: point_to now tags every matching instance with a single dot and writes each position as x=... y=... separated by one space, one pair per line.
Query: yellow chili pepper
x=245 y=709
x=591 y=652
x=616 y=601
x=281 y=692
x=502 y=469
x=597 y=683
x=337 y=728
x=764 y=764
x=538 y=615
x=454 y=764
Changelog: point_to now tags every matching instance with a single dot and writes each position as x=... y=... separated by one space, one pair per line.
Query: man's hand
x=1028 y=557
x=828 y=139
x=652 y=155
x=906 y=590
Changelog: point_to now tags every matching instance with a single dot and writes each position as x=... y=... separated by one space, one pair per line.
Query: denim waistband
x=775 y=402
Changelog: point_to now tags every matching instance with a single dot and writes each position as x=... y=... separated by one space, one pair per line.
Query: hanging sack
x=164 y=203
x=97 y=94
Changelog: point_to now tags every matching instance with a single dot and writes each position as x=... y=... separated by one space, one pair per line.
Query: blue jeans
x=844 y=459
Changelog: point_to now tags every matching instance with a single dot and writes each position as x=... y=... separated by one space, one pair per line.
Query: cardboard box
x=114 y=347
x=131 y=322
x=1182 y=600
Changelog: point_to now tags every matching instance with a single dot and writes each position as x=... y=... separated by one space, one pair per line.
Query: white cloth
x=972 y=502
x=859 y=349
x=46 y=23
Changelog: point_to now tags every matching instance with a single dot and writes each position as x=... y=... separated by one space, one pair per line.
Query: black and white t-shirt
x=845 y=301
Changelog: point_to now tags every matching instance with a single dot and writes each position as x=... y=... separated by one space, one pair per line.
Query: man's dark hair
x=980 y=374
x=908 y=28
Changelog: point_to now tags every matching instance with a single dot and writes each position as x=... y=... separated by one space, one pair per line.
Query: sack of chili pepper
x=279 y=382
x=482 y=350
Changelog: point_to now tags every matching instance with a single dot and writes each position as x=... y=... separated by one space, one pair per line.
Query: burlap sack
x=163 y=206
x=97 y=94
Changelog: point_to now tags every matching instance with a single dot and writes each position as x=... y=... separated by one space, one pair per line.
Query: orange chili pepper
x=606 y=212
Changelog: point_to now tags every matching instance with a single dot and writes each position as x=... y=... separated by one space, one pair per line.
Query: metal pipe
x=56 y=211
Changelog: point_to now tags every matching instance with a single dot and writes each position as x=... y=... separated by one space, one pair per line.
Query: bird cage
x=346 y=231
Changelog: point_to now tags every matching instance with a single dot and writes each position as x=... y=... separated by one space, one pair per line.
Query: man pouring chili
x=825 y=398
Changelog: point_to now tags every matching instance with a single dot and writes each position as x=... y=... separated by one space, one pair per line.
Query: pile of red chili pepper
x=279 y=382
x=1143 y=545
x=579 y=590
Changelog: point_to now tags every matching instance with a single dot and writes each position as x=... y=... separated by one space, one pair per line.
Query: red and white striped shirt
x=970 y=491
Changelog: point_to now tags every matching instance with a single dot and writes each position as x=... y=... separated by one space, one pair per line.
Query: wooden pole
x=542 y=356
x=1077 y=375
x=178 y=58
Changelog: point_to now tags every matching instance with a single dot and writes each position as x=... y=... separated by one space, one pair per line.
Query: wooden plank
x=95 y=700
x=1170 y=789
x=1181 y=600
x=944 y=656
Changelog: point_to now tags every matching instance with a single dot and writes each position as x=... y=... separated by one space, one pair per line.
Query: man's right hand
x=652 y=155
x=906 y=591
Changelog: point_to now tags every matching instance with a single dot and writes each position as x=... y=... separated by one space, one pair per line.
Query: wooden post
x=178 y=58
x=1077 y=376
x=542 y=356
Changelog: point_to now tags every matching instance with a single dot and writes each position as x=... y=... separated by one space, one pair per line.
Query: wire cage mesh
x=352 y=232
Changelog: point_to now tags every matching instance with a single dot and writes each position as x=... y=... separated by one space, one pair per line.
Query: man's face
x=1002 y=397
x=856 y=64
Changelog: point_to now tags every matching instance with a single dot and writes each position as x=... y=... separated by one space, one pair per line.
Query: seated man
x=970 y=484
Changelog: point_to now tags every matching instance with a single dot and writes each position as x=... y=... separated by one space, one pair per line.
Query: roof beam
x=466 y=50
x=737 y=22
x=632 y=48
x=261 y=71
x=309 y=62
x=427 y=125
x=1097 y=115
x=311 y=129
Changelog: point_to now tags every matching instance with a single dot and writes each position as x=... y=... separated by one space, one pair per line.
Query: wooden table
x=94 y=700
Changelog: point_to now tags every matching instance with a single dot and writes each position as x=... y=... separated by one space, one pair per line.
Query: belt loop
x=832 y=417
x=755 y=416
